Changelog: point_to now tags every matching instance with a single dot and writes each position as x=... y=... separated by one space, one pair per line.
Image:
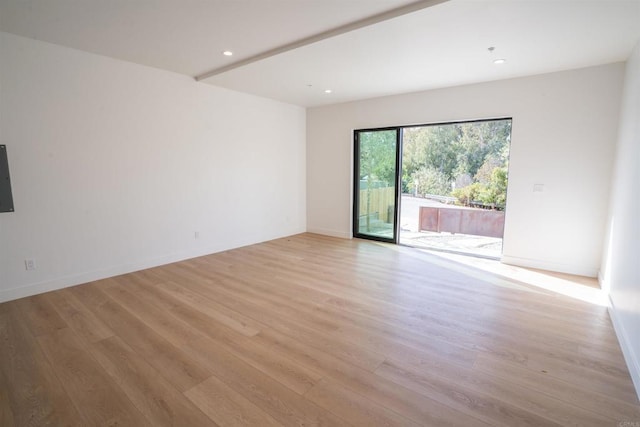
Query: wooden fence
x=378 y=200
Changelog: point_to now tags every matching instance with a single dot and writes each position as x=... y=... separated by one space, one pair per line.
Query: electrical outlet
x=29 y=264
x=196 y=235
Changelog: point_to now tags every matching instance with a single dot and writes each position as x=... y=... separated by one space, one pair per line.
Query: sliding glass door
x=377 y=159
x=440 y=186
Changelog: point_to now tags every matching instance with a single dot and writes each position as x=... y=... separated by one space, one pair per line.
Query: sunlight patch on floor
x=577 y=287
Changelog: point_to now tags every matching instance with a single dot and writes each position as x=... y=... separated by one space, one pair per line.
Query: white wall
x=621 y=269
x=564 y=130
x=114 y=166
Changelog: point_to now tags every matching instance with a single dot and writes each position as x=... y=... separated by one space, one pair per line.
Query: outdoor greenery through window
x=467 y=161
x=377 y=153
x=442 y=186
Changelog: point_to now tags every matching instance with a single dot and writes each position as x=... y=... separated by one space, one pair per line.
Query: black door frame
x=356 y=183
x=398 y=184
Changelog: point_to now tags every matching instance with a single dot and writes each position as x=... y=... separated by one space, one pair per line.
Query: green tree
x=462 y=153
x=378 y=156
x=480 y=141
x=495 y=192
x=442 y=149
x=414 y=153
x=433 y=147
x=485 y=173
x=468 y=194
x=431 y=181
x=436 y=156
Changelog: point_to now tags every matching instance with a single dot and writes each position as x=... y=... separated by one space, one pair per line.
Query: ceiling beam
x=375 y=19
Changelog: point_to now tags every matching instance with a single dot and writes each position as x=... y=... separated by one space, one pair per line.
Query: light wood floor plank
x=240 y=301
x=375 y=388
x=316 y=331
x=271 y=396
x=354 y=408
x=178 y=367
x=82 y=320
x=588 y=398
x=154 y=396
x=40 y=315
x=230 y=318
x=496 y=402
x=93 y=392
x=6 y=414
x=217 y=312
x=370 y=334
x=287 y=372
x=227 y=407
x=34 y=395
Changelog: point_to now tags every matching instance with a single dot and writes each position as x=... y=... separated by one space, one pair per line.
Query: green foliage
x=464 y=153
x=431 y=181
x=485 y=172
x=378 y=156
x=495 y=192
x=431 y=146
x=435 y=157
x=468 y=194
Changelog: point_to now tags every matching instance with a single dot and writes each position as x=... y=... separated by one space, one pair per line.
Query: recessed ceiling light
x=328 y=91
x=499 y=61
x=227 y=53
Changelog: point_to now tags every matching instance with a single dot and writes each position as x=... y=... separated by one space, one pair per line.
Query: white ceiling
x=437 y=45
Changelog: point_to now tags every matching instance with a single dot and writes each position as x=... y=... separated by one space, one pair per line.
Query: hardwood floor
x=311 y=330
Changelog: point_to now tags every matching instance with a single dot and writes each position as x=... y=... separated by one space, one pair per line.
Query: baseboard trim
x=90 y=276
x=331 y=233
x=549 y=266
x=627 y=351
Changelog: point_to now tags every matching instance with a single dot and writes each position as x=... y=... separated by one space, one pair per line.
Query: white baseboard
x=90 y=276
x=327 y=232
x=633 y=363
x=550 y=266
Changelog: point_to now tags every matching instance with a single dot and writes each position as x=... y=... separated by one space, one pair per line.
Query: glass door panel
x=376 y=184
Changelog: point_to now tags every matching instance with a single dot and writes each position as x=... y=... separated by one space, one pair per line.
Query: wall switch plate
x=538 y=188
x=29 y=264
